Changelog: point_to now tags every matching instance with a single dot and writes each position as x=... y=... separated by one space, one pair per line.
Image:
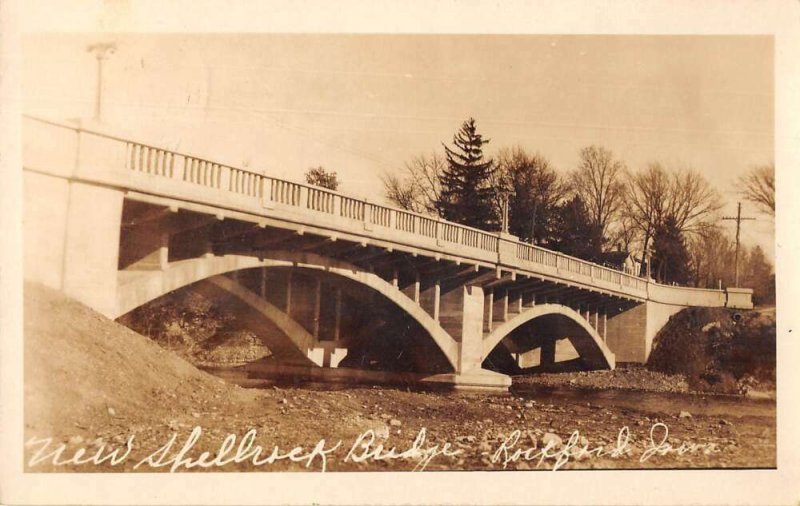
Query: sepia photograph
x=350 y=252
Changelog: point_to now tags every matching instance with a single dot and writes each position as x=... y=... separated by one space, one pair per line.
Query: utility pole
x=101 y=51
x=504 y=223
x=739 y=219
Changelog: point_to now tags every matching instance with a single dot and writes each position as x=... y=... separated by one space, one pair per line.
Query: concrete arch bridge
x=346 y=283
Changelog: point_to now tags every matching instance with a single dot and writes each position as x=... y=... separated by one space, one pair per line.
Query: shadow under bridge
x=315 y=318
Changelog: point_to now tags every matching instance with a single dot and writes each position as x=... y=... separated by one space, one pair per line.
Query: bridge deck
x=169 y=178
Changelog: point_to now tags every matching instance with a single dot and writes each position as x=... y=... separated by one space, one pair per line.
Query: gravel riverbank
x=97 y=387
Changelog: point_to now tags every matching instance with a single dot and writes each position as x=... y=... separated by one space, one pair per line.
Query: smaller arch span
x=139 y=287
x=586 y=341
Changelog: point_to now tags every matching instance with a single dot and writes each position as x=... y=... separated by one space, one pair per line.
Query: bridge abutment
x=630 y=333
x=72 y=239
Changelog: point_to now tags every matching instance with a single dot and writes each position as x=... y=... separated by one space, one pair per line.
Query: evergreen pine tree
x=535 y=192
x=756 y=273
x=574 y=232
x=466 y=195
x=670 y=255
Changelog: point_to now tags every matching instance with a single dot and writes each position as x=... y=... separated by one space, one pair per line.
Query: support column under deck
x=462 y=315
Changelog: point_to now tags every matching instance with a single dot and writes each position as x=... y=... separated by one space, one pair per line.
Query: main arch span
x=142 y=287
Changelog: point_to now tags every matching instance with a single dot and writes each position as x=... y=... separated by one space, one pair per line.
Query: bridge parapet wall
x=685 y=296
x=79 y=155
x=106 y=159
x=739 y=298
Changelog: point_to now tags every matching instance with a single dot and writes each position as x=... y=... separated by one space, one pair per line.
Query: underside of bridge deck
x=469 y=302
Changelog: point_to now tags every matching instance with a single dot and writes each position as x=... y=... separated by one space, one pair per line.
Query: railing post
x=438 y=231
x=224 y=178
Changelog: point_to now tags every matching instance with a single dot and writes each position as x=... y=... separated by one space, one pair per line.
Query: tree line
x=599 y=211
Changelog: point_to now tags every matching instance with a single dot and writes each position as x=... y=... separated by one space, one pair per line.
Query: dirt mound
x=83 y=370
x=717 y=349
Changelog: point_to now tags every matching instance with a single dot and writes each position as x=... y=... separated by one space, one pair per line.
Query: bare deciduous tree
x=400 y=192
x=646 y=198
x=656 y=194
x=597 y=182
x=418 y=188
x=711 y=254
x=758 y=187
x=692 y=200
x=622 y=232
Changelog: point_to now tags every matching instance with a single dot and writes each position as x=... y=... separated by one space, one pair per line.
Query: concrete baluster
x=190 y=169
x=156 y=161
x=337 y=205
x=392 y=219
x=366 y=215
x=171 y=168
x=266 y=193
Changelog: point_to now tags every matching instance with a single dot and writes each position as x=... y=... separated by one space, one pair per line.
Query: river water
x=727 y=406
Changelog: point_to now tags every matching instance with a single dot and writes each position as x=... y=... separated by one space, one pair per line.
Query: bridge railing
x=578 y=269
x=105 y=152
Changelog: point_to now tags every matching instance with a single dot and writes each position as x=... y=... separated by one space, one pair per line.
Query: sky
x=363 y=105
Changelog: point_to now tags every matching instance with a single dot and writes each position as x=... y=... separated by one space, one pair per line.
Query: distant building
x=621 y=260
